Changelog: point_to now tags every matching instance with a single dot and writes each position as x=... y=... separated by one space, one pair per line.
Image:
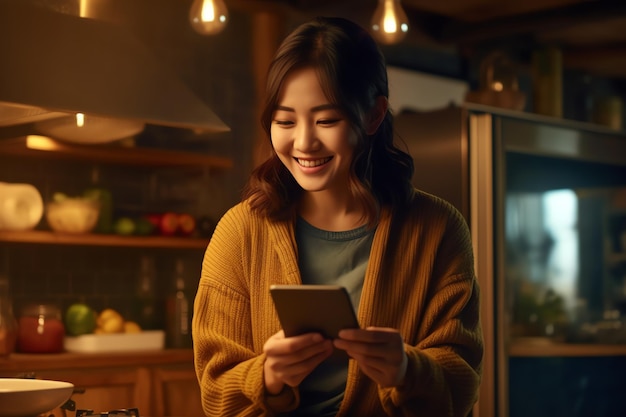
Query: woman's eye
x=327 y=122
x=283 y=122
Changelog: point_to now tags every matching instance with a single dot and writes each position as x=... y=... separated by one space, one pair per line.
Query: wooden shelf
x=30 y=361
x=44 y=147
x=55 y=238
x=555 y=349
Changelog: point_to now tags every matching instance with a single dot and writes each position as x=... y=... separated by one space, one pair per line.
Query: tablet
x=326 y=309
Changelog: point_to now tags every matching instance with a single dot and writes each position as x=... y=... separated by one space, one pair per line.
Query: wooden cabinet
x=107 y=389
x=176 y=391
x=158 y=383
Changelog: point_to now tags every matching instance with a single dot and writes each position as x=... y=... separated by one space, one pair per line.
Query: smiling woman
x=334 y=205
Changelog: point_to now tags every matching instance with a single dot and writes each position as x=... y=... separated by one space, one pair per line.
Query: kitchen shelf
x=45 y=147
x=55 y=238
x=554 y=349
x=46 y=361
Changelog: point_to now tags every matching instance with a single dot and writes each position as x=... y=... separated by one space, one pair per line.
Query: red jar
x=41 y=329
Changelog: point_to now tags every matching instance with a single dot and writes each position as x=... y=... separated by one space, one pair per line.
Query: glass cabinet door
x=562 y=269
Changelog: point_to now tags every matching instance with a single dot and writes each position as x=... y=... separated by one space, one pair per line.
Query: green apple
x=80 y=319
x=124 y=226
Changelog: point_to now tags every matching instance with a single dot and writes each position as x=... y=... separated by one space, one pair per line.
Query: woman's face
x=312 y=138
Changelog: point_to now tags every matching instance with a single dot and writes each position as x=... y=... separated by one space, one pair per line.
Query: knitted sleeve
x=229 y=371
x=445 y=364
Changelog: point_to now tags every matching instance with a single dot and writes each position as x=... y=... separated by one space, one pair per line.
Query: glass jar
x=41 y=329
x=8 y=324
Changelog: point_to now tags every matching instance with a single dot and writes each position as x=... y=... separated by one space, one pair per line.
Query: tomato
x=169 y=224
x=186 y=224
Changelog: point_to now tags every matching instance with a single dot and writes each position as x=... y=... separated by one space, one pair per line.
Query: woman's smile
x=313 y=163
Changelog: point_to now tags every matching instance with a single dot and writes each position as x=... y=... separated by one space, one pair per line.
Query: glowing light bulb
x=80 y=120
x=389 y=23
x=208 y=17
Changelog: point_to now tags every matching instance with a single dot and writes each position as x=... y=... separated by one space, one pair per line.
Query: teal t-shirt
x=338 y=258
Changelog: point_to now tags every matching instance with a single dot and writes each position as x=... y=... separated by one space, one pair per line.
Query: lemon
x=131 y=327
x=80 y=319
x=110 y=321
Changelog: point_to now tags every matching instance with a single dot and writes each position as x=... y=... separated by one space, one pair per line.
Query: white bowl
x=73 y=215
x=31 y=397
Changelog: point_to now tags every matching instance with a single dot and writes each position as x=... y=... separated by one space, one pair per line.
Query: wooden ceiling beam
x=459 y=32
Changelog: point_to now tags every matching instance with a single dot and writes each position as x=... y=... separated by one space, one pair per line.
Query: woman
x=334 y=204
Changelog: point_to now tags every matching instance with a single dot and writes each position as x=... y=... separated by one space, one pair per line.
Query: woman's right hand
x=290 y=359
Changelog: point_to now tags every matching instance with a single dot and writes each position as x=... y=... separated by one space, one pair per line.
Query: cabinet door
x=107 y=389
x=176 y=392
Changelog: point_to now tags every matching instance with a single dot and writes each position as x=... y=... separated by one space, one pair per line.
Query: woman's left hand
x=379 y=351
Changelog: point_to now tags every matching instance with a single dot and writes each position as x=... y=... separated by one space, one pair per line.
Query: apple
x=155 y=219
x=168 y=225
x=144 y=226
x=186 y=224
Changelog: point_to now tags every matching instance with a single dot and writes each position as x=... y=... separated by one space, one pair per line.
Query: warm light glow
x=389 y=23
x=389 y=19
x=497 y=86
x=208 y=17
x=41 y=143
x=208 y=12
x=83 y=8
x=80 y=119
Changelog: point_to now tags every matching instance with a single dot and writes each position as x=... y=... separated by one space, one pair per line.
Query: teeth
x=314 y=163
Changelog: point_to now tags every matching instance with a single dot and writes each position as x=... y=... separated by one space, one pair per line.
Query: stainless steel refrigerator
x=545 y=199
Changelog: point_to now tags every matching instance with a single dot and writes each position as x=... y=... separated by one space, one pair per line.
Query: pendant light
x=208 y=17
x=389 y=23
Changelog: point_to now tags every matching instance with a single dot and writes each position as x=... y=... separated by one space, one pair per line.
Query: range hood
x=55 y=65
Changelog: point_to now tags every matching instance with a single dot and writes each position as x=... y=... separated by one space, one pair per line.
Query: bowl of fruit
x=72 y=214
x=106 y=331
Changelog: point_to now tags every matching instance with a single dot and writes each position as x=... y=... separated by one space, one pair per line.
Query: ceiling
x=591 y=33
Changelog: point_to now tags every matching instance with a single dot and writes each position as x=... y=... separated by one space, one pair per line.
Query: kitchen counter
x=18 y=362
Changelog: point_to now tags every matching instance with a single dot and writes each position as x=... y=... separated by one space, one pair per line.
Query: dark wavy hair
x=353 y=74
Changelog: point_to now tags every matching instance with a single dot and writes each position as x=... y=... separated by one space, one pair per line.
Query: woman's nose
x=304 y=137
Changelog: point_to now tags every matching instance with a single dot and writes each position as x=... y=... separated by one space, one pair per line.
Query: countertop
x=18 y=362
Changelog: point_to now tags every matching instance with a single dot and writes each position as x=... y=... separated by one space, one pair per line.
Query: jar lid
x=43 y=309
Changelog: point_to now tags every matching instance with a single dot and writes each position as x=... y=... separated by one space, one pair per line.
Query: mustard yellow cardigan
x=420 y=280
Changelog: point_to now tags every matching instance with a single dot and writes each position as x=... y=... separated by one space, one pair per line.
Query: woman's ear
x=377 y=115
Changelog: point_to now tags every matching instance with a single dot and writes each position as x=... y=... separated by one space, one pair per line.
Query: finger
x=385 y=348
x=296 y=373
x=370 y=334
x=291 y=369
x=286 y=346
x=384 y=372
